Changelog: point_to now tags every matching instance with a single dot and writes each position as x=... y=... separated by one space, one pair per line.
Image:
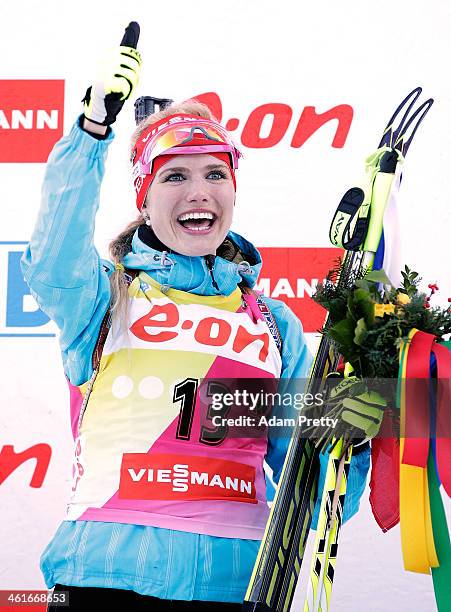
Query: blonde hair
x=122 y=244
x=189 y=107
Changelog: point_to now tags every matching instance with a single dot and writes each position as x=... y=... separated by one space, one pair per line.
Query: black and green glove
x=360 y=410
x=357 y=413
x=117 y=79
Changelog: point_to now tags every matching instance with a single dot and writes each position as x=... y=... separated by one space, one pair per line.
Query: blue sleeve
x=61 y=264
x=296 y=364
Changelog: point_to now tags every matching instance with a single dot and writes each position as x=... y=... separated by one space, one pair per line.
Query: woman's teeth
x=197 y=220
x=196 y=215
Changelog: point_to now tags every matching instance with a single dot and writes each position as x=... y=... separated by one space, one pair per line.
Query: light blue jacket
x=70 y=283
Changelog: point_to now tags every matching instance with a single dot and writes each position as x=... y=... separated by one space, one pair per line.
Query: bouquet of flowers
x=368 y=322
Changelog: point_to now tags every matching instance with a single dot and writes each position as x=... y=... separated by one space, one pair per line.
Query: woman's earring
x=146 y=219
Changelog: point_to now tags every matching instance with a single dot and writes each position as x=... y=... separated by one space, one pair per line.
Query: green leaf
x=378 y=276
x=337 y=309
x=360 y=332
x=351 y=312
x=362 y=284
x=364 y=305
x=343 y=334
x=392 y=294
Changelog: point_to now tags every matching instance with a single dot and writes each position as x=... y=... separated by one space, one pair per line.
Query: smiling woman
x=185 y=196
x=157 y=517
x=190 y=208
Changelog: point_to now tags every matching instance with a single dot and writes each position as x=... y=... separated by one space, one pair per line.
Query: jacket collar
x=193 y=274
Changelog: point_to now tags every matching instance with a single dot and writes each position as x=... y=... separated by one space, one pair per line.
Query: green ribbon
x=441 y=575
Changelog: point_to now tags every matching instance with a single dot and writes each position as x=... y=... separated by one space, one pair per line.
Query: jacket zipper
x=86 y=399
x=210 y=261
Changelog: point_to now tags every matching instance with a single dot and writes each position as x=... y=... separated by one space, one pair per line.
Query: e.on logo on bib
x=185 y=477
x=31 y=119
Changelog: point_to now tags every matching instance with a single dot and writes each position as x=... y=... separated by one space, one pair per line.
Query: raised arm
x=61 y=265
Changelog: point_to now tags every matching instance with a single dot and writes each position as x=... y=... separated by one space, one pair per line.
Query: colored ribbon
x=417 y=538
x=384 y=482
x=441 y=575
x=416 y=425
x=443 y=428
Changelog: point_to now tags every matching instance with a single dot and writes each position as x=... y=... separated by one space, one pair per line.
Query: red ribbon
x=443 y=427
x=417 y=425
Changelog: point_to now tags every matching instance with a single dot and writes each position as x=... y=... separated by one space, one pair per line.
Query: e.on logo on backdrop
x=292 y=275
x=31 y=119
x=268 y=123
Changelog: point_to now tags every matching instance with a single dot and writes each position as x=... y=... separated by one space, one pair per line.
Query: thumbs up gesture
x=116 y=81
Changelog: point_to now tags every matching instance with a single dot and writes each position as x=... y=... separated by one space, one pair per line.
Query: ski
x=322 y=570
x=278 y=564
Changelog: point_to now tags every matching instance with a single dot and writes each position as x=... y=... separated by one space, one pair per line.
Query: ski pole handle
x=145 y=106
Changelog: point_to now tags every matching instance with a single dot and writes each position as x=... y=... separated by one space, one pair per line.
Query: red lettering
x=171 y=319
x=281 y=113
x=33 y=111
x=243 y=338
x=10 y=461
x=180 y=477
x=310 y=122
x=213 y=101
x=203 y=332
